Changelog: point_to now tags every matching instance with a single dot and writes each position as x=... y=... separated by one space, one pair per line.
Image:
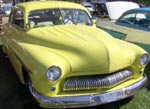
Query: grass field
x=14 y=95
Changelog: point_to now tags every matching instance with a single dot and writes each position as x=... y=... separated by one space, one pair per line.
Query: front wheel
x=32 y=102
x=3 y=52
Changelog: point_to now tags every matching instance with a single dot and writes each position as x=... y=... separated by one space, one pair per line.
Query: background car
x=117 y=8
x=66 y=61
x=6 y=10
x=112 y=10
x=89 y=6
x=132 y=26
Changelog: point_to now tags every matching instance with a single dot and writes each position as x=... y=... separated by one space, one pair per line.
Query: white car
x=88 y=5
x=117 y=8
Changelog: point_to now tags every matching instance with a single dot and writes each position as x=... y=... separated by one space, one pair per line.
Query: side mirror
x=94 y=21
x=31 y=24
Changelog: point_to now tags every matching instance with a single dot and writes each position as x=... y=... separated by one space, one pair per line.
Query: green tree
x=145 y=2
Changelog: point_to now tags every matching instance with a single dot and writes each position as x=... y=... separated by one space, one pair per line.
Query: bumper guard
x=88 y=100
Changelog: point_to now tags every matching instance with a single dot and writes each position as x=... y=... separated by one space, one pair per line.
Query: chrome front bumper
x=88 y=100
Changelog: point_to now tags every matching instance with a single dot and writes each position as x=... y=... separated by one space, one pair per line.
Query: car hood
x=85 y=48
x=117 y=8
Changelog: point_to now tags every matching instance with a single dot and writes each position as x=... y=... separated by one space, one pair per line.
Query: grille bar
x=86 y=83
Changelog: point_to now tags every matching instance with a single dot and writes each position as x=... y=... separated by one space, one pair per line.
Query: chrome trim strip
x=89 y=100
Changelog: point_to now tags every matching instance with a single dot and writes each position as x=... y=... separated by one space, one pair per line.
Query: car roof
x=86 y=3
x=139 y=10
x=35 y=5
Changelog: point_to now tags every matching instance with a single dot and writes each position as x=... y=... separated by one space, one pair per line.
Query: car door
x=119 y=29
x=14 y=36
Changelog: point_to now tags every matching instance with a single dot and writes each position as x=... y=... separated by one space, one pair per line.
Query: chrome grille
x=94 y=82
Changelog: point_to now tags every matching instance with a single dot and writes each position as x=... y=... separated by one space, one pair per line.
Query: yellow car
x=56 y=49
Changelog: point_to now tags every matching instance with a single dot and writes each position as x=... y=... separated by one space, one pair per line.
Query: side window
x=18 y=18
x=127 y=20
x=143 y=21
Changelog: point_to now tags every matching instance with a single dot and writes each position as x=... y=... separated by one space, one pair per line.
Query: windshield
x=51 y=17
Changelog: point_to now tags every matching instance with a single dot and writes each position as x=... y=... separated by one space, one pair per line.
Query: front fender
x=135 y=53
x=37 y=59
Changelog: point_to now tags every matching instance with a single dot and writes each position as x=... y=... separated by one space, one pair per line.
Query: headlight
x=144 y=59
x=53 y=73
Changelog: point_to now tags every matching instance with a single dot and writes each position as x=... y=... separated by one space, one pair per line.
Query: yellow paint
x=77 y=49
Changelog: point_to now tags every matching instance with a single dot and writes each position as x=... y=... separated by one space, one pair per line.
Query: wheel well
x=4 y=52
x=26 y=76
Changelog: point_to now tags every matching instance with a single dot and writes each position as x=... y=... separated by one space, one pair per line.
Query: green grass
x=14 y=95
x=0 y=41
x=141 y=99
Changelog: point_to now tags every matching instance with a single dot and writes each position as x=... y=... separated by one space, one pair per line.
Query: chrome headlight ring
x=144 y=59
x=53 y=73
